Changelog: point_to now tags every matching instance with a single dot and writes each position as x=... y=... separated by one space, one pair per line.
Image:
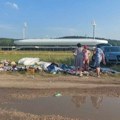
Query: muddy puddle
x=85 y=107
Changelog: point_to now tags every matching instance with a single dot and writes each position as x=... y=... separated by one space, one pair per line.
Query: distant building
x=58 y=44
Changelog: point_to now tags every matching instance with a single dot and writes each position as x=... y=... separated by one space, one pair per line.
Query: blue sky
x=57 y=18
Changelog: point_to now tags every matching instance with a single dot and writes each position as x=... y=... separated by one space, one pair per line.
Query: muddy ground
x=26 y=86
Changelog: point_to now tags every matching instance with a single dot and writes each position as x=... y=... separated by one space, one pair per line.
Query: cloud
x=12 y=5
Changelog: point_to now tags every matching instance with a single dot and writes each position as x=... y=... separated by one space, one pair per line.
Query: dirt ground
x=25 y=86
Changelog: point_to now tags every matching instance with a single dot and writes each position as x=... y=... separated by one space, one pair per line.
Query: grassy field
x=51 y=56
x=65 y=57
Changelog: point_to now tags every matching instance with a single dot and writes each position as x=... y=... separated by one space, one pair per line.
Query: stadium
x=55 y=44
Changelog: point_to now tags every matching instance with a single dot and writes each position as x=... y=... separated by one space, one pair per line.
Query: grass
x=51 y=56
x=65 y=57
x=116 y=67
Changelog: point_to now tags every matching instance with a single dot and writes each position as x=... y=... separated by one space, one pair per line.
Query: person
x=97 y=101
x=78 y=61
x=98 y=58
x=86 y=55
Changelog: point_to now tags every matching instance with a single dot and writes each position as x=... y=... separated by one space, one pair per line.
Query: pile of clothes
x=34 y=64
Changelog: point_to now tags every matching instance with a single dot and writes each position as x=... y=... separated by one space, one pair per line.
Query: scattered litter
x=86 y=73
x=34 y=65
x=58 y=94
x=109 y=70
x=44 y=65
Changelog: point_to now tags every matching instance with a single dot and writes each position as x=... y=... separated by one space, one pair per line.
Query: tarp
x=28 y=61
x=44 y=65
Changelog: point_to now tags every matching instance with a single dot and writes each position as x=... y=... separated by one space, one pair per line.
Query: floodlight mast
x=24 y=30
x=94 y=26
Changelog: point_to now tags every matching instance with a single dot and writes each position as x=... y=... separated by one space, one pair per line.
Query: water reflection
x=97 y=101
x=84 y=107
x=78 y=100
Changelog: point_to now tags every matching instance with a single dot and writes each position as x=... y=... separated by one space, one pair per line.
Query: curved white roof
x=58 y=42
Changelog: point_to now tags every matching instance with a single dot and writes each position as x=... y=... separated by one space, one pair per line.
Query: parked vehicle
x=112 y=54
x=103 y=45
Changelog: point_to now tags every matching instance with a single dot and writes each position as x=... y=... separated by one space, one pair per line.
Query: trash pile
x=33 y=65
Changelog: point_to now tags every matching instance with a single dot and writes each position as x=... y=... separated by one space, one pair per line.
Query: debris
x=58 y=94
x=109 y=70
x=86 y=73
x=28 y=61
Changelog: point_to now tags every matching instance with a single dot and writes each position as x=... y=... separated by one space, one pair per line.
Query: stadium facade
x=56 y=43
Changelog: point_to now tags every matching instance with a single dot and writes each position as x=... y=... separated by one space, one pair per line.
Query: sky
x=58 y=18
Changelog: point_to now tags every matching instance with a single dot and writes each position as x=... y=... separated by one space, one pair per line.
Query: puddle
x=85 y=107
